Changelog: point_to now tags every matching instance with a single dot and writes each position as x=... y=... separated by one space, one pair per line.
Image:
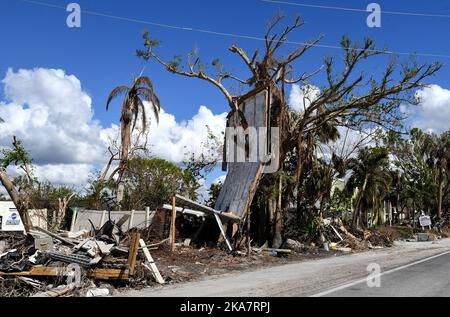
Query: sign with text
x=11 y=221
x=425 y=221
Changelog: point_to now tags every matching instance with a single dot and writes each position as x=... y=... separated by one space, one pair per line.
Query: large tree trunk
x=63 y=203
x=14 y=195
x=440 y=193
x=125 y=148
x=357 y=214
x=278 y=226
x=271 y=213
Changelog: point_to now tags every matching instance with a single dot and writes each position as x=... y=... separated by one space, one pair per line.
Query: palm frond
x=140 y=107
x=116 y=92
x=150 y=96
x=143 y=81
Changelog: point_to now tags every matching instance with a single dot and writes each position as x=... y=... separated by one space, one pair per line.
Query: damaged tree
x=132 y=107
x=20 y=158
x=349 y=98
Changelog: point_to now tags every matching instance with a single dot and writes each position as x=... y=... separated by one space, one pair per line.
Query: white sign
x=11 y=221
x=425 y=221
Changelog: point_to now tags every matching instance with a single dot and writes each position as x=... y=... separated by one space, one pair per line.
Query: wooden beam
x=200 y=207
x=99 y=274
x=39 y=271
x=55 y=236
x=110 y=274
x=132 y=253
x=222 y=230
x=151 y=263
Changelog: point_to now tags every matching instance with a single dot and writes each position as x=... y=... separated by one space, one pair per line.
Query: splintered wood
x=132 y=254
x=151 y=263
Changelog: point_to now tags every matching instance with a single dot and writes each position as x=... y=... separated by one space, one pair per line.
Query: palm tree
x=141 y=91
x=399 y=190
x=440 y=156
x=371 y=178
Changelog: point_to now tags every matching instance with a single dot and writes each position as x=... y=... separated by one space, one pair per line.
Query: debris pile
x=52 y=265
x=333 y=235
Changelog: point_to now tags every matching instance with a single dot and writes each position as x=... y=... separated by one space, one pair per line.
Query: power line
x=307 y=5
x=224 y=34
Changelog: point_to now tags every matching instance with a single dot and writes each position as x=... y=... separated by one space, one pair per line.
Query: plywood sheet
x=239 y=187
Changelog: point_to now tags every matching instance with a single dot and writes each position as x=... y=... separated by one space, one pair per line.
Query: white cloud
x=432 y=114
x=349 y=143
x=172 y=140
x=434 y=111
x=52 y=115
x=74 y=175
x=301 y=97
x=50 y=112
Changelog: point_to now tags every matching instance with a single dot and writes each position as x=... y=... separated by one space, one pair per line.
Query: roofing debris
x=53 y=265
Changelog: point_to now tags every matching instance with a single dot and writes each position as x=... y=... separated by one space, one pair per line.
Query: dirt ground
x=187 y=263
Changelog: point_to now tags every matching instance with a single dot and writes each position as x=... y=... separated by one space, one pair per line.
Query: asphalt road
x=408 y=269
x=430 y=278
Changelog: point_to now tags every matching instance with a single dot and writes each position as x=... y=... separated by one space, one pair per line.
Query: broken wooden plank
x=207 y=209
x=185 y=211
x=336 y=232
x=132 y=253
x=109 y=274
x=222 y=230
x=55 y=236
x=151 y=263
x=100 y=274
x=40 y=271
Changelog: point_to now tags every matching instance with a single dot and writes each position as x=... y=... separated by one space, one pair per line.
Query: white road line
x=339 y=288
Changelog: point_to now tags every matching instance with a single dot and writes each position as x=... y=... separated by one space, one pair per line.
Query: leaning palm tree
x=141 y=91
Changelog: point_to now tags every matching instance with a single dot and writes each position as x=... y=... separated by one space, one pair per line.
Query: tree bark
x=440 y=194
x=278 y=227
x=14 y=195
x=357 y=214
x=62 y=204
x=125 y=147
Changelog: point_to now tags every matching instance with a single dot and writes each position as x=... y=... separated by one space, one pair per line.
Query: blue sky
x=101 y=54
